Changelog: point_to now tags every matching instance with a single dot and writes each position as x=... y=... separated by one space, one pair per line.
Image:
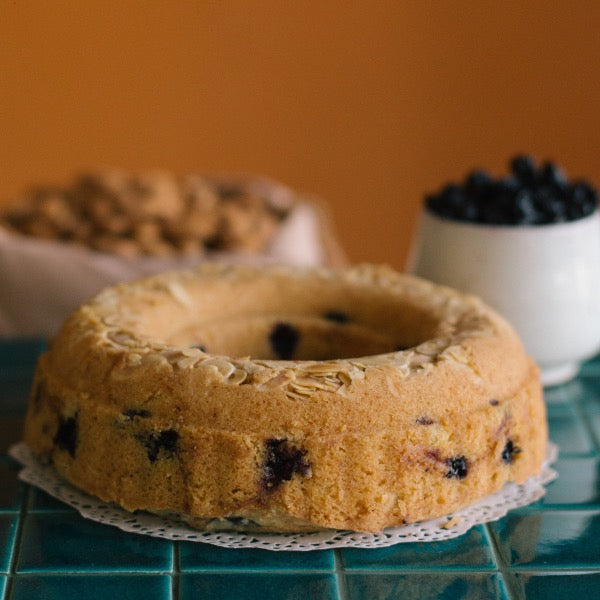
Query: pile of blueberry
x=531 y=195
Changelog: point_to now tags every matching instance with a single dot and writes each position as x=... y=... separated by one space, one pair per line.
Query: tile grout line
x=502 y=568
x=581 y=413
x=16 y=547
x=175 y=572
x=340 y=577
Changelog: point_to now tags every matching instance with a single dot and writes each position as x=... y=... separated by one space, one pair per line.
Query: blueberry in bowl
x=528 y=243
x=531 y=194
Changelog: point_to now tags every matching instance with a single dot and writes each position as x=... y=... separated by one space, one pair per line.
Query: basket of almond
x=59 y=245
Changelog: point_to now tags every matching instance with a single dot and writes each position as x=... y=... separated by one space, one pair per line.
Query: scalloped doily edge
x=489 y=509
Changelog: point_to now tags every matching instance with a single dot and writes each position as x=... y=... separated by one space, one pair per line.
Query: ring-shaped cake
x=285 y=399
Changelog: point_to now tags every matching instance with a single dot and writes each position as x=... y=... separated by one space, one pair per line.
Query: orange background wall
x=367 y=104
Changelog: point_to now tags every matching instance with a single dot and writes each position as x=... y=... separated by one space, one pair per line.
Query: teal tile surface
x=266 y=586
x=8 y=527
x=18 y=356
x=563 y=394
x=13 y=394
x=11 y=490
x=11 y=431
x=40 y=501
x=470 y=551
x=96 y=587
x=578 y=483
x=68 y=542
x=590 y=406
x=17 y=364
x=590 y=368
x=559 y=586
x=568 y=430
x=198 y=557
x=418 y=586
x=548 y=550
x=564 y=539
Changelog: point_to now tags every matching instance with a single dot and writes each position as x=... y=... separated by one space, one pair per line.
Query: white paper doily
x=489 y=509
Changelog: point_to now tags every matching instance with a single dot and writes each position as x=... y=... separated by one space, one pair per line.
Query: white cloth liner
x=43 y=281
x=489 y=509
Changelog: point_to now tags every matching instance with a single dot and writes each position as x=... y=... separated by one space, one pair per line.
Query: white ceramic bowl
x=545 y=279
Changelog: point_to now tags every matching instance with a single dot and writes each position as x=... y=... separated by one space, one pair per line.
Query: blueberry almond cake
x=286 y=399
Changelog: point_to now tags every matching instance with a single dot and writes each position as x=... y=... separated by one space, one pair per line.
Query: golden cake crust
x=284 y=399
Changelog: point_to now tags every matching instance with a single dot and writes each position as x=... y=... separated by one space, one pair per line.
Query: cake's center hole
x=328 y=336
